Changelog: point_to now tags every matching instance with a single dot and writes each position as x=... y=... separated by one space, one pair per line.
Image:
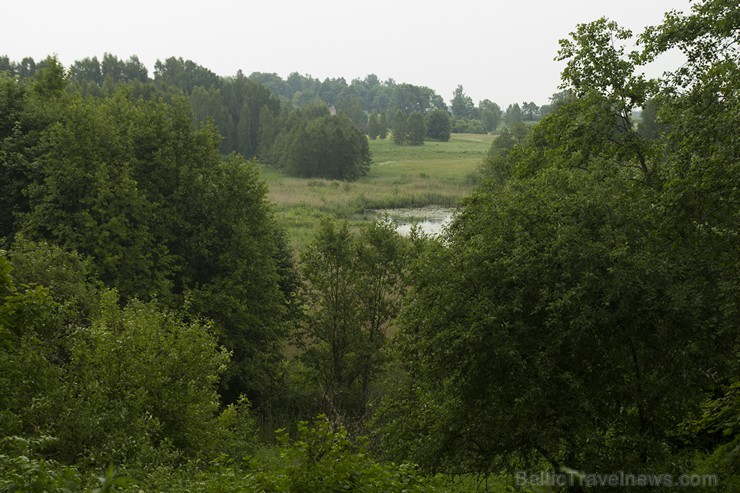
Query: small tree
x=381 y=262
x=462 y=105
x=373 y=126
x=383 y=127
x=490 y=114
x=332 y=334
x=530 y=111
x=439 y=125
x=354 y=287
x=400 y=130
x=513 y=114
x=415 y=129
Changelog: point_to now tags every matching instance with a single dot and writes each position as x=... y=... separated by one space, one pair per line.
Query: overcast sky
x=502 y=51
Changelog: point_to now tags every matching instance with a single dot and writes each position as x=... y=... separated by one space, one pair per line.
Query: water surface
x=430 y=220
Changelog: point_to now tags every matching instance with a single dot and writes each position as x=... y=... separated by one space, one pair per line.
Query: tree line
x=251 y=111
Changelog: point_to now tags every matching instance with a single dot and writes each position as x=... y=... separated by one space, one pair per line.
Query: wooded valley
x=191 y=299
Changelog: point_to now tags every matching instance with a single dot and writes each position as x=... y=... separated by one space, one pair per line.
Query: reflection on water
x=430 y=220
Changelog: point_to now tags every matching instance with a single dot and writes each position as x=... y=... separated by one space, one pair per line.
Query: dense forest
x=254 y=112
x=158 y=332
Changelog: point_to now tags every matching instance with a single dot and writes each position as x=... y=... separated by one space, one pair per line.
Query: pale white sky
x=498 y=50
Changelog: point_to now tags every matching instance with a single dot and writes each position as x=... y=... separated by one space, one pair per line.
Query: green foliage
x=649 y=128
x=208 y=105
x=407 y=98
x=234 y=104
x=556 y=101
x=552 y=266
x=323 y=458
x=28 y=109
x=439 y=125
x=498 y=165
x=467 y=126
x=490 y=115
x=530 y=111
x=353 y=288
x=603 y=77
x=329 y=147
x=320 y=457
x=243 y=132
x=555 y=325
x=135 y=386
x=235 y=272
x=513 y=114
x=334 y=339
x=68 y=276
x=186 y=75
x=30 y=332
x=351 y=106
x=245 y=100
x=147 y=379
x=269 y=129
x=14 y=169
x=400 y=131
x=717 y=431
x=462 y=105
x=415 y=129
x=110 y=480
x=22 y=468
x=236 y=430
x=373 y=126
x=558 y=324
x=77 y=206
x=382 y=258
x=383 y=127
x=135 y=188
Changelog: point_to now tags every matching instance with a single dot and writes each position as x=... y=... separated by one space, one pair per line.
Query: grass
x=437 y=173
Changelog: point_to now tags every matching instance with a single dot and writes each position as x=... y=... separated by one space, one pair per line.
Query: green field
x=437 y=173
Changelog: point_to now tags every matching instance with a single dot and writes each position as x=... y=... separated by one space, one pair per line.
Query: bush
x=462 y=126
x=144 y=385
x=21 y=468
x=323 y=458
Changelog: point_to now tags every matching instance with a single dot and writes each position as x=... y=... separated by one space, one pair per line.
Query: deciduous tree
x=439 y=125
x=490 y=114
x=558 y=321
x=329 y=147
x=461 y=104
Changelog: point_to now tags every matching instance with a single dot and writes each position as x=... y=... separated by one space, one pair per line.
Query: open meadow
x=436 y=173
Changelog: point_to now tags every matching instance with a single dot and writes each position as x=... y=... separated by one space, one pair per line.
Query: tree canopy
x=439 y=125
x=135 y=187
x=329 y=147
x=581 y=312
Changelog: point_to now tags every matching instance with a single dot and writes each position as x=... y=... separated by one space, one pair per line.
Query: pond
x=431 y=219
